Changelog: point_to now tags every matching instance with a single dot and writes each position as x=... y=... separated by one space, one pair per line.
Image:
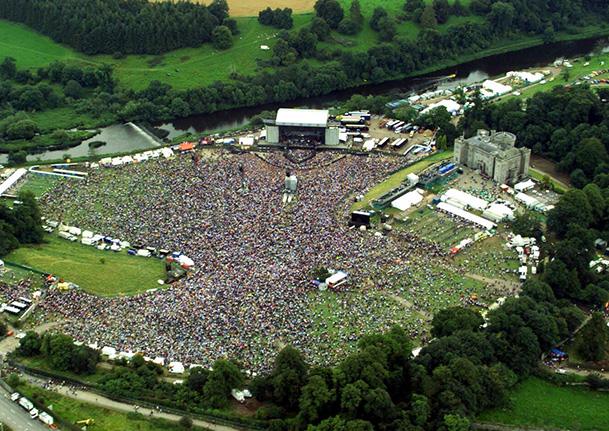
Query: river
x=123 y=138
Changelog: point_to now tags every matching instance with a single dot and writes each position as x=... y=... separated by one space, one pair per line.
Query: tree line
x=20 y=224
x=121 y=27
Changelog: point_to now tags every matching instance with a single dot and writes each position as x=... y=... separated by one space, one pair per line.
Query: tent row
x=109 y=162
x=466 y=215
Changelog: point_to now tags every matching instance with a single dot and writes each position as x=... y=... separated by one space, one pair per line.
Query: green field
x=537 y=403
x=72 y=410
x=396 y=179
x=120 y=274
x=38 y=184
x=188 y=67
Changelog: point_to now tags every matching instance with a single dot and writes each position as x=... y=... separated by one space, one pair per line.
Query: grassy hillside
x=191 y=67
x=537 y=403
x=120 y=274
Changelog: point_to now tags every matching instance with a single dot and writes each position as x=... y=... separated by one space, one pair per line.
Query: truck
x=26 y=404
x=46 y=418
x=34 y=413
x=15 y=396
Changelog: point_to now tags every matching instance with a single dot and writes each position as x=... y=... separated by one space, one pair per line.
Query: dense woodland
x=569 y=125
x=120 y=27
x=20 y=225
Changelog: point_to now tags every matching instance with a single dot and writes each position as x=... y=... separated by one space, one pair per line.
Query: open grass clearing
x=37 y=184
x=119 y=274
x=539 y=404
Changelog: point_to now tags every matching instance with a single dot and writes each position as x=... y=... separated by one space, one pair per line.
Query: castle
x=495 y=155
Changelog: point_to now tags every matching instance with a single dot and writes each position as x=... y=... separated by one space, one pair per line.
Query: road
x=100 y=401
x=16 y=417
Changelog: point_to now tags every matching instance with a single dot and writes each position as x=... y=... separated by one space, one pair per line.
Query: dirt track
x=252 y=7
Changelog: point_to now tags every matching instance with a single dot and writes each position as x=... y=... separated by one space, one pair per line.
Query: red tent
x=187 y=146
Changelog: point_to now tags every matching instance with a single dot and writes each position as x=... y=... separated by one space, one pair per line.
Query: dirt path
x=100 y=401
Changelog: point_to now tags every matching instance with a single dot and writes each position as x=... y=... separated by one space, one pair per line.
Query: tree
x=8 y=68
x=320 y=28
x=22 y=129
x=17 y=157
x=197 y=378
x=593 y=339
x=30 y=344
x=222 y=37
x=73 y=89
x=387 y=29
x=266 y=16
x=449 y=320
x=347 y=26
x=589 y=154
x=330 y=11
x=314 y=399
x=458 y=9
x=527 y=224
x=442 y=9
x=355 y=13
x=378 y=14
x=573 y=207
x=428 y=17
x=219 y=9
x=414 y=9
x=501 y=17
x=185 y=422
x=225 y=377
x=456 y=423
x=288 y=377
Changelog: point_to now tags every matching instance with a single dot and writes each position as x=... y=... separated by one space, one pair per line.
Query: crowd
x=251 y=290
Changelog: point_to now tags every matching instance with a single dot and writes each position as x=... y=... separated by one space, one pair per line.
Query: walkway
x=100 y=401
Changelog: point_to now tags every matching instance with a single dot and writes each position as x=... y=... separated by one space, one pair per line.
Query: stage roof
x=302 y=117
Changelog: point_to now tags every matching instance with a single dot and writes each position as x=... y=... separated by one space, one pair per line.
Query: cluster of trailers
x=401 y=127
x=18 y=307
x=43 y=417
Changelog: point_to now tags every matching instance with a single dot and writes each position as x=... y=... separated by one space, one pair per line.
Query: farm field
x=73 y=410
x=539 y=404
x=120 y=274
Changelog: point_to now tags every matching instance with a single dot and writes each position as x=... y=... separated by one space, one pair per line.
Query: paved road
x=16 y=417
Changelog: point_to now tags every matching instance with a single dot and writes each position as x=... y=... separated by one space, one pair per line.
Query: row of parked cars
x=43 y=417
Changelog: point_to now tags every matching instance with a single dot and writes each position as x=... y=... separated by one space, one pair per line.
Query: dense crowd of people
x=250 y=292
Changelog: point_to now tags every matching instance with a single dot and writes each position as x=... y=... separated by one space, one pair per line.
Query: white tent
x=465 y=199
x=246 y=141
x=492 y=89
x=185 y=260
x=159 y=360
x=176 y=368
x=108 y=351
x=167 y=153
x=451 y=106
x=523 y=186
x=498 y=212
x=527 y=77
x=487 y=224
x=408 y=200
x=369 y=145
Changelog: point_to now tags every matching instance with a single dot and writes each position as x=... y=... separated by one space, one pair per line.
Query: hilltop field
x=195 y=67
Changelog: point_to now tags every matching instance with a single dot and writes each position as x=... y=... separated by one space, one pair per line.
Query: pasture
x=98 y=272
x=536 y=403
